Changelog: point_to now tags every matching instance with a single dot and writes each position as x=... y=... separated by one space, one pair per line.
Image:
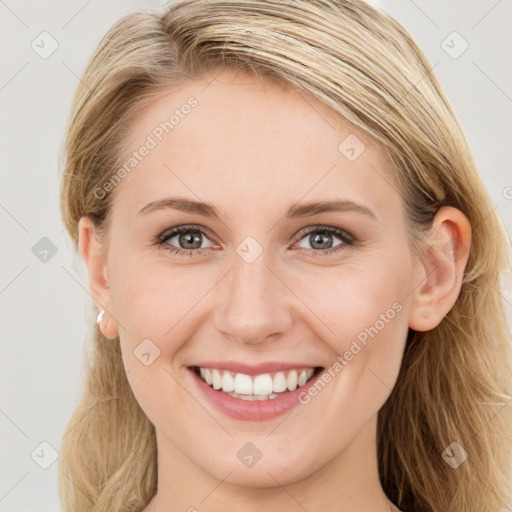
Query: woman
x=295 y=265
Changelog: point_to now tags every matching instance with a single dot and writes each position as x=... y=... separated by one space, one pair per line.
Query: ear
x=441 y=270
x=93 y=255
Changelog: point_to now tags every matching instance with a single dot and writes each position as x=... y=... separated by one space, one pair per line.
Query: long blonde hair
x=454 y=382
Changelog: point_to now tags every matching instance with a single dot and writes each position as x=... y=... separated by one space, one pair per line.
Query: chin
x=268 y=471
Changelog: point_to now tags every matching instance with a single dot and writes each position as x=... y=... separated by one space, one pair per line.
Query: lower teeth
x=254 y=397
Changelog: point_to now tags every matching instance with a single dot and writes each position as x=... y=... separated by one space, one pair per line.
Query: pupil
x=186 y=238
x=321 y=238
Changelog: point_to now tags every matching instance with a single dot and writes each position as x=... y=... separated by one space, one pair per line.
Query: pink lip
x=252 y=410
x=252 y=369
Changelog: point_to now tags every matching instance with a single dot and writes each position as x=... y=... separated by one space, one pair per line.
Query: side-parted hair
x=455 y=380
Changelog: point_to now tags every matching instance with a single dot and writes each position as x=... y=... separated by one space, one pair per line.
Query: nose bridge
x=254 y=306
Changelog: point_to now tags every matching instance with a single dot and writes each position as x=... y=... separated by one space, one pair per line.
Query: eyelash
x=348 y=240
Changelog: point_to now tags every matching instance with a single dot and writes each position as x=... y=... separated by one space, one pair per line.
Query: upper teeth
x=263 y=384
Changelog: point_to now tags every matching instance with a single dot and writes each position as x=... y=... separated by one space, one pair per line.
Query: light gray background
x=46 y=306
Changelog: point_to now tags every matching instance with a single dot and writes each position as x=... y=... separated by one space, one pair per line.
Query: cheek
x=361 y=312
x=154 y=298
x=154 y=304
x=367 y=312
x=349 y=299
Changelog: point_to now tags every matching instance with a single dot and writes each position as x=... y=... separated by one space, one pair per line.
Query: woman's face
x=257 y=284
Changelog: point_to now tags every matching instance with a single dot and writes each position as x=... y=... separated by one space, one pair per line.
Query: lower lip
x=255 y=410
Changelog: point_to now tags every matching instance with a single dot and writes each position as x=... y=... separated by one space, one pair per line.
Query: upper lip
x=253 y=369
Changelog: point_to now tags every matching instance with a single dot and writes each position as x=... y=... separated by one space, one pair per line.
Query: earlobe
x=441 y=271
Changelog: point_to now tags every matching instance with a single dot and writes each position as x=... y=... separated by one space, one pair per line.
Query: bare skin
x=254 y=150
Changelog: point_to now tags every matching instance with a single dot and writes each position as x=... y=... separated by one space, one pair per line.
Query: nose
x=255 y=304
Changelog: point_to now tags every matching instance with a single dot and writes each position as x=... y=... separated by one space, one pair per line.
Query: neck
x=349 y=482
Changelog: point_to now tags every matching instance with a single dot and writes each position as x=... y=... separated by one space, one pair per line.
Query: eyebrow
x=304 y=210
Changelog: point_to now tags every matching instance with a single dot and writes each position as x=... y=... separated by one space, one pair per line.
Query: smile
x=259 y=387
x=255 y=397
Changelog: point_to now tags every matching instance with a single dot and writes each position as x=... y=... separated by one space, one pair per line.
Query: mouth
x=256 y=387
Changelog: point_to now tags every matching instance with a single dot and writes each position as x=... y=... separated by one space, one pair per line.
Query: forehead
x=235 y=139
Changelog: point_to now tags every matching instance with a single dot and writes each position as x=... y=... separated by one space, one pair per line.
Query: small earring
x=425 y=314
x=98 y=321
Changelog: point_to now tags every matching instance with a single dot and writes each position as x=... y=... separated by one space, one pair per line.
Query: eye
x=188 y=238
x=320 y=238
